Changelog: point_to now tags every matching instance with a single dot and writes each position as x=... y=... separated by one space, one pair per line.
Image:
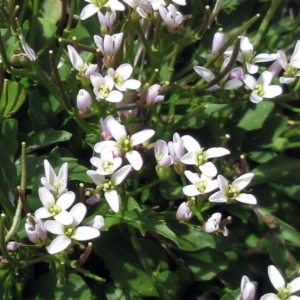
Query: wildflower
x=285 y=291
x=142 y=7
x=108 y=186
x=247 y=56
x=125 y=143
x=67 y=233
x=177 y=151
x=12 y=246
x=97 y=222
x=121 y=75
x=106 y=21
x=200 y=184
x=230 y=192
x=261 y=88
x=164 y=160
x=171 y=16
x=84 y=70
x=57 y=209
x=247 y=289
x=184 y=212
x=199 y=157
x=110 y=44
x=107 y=164
x=213 y=224
x=35 y=230
x=95 y=5
x=84 y=102
x=55 y=184
x=27 y=49
x=208 y=75
x=103 y=88
x=292 y=69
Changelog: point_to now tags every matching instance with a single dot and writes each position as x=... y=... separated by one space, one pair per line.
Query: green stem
x=172 y=62
x=142 y=36
x=265 y=23
x=23 y=11
x=185 y=118
x=156 y=32
x=3 y=55
x=4 y=99
x=17 y=216
x=71 y=14
x=144 y=187
x=62 y=18
x=37 y=260
x=34 y=22
x=293 y=145
x=3 y=248
x=289 y=107
x=61 y=274
x=205 y=24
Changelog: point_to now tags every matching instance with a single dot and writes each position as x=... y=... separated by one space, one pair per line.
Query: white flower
x=285 y=291
x=218 y=41
x=95 y=6
x=84 y=102
x=247 y=289
x=200 y=184
x=152 y=95
x=261 y=88
x=142 y=7
x=71 y=232
x=107 y=164
x=108 y=186
x=177 y=151
x=198 y=156
x=110 y=45
x=225 y=84
x=247 y=56
x=230 y=192
x=57 y=209
x=35 y=230
x=103 y=88
x=106 y=21
x=120 y=77
x=213 y=224
x=27 y=49
x=171 y=16
x=184 y=212
x=125 y=143
x=55 y=184
x=97 y=222
x=291 y=69
x=161 y=153
x=84 y=70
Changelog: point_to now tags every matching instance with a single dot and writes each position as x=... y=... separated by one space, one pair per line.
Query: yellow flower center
x=259 y=90
x=54 y=209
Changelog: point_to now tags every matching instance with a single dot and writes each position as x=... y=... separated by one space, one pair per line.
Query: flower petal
x=135 y=159
x=272 y=91
x=246 y=198
x=190 y=190
x=88 y=11
x=242 y=181
x=54 y=227
x=78 y=212
x=276 y=278
x=116 y=129
x=46 y=197
x=64 y=217
x=121 y=174
x=209 y=169
x=141 y=137
x=295 y=285
x=206 y=74
x=270 y=296
x=66 y=200
x=112 y=199
x=84 y=233
x=60 y=243
x=250 y=81
x=42 y=213
x=255 y=98
x=218 y=197
x=190 y=144
x=216 y=152
x=192 y=177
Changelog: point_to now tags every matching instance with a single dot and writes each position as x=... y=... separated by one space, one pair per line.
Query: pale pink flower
x=184 y=212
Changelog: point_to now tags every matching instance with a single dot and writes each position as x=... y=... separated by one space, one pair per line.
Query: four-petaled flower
x=261 y=88
x=67 y=233
x=230 y=192
x=55 y=209
x=285 y=291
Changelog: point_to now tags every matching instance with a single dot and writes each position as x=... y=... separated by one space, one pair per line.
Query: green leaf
x=46 y=138
x=46 y=287
x=12 y=98
x=51 y=10
x=8 y=134
x=277 y=169
x=6 y=284
x=256 y=115
x=124 y=264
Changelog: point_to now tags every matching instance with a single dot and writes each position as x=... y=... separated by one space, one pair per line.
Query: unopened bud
x=97 y=222
x=184 y=212
x=84 y=103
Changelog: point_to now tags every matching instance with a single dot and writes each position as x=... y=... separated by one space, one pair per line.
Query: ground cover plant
x=149 y=149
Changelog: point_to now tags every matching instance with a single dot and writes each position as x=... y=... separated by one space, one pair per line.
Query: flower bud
x=35 y=230
x=97 y=222
x=247 y=289
x=152 y=96
x=184 y=212
x=218 y=41
x=162 y=173
x=84 y=103
x=236 y=73
x=212 y=224
x=12 y=246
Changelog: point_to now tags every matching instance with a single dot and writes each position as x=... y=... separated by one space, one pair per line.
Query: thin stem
x=23 y=11
x=3 y=248
x=3 y=55
x=44 y=258
x=71 y=14
x=205 y=24
x=144 y=187
x=34 y=21
x=17 y=216
x=156 y=32
x=62 y=18
x=85 y=255
x=265 y=23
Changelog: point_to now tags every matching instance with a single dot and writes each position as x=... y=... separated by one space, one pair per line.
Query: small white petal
x=76 y=60
x=88 y=11
x=66 y=200
x=246 y=198
x=54 y=227
x=132 y=84
x=42 y=213
x=190 y=144
x=135 y=159
x=286 y=80
x=60 y=243
x=252 y=69
x=250 y=81
x=64 y=217
x=295 y=285
x=116 y=129
x=272 y=91
x=141 y=137
x=112 y=199
x=114 y=97
x=276 y=278
x=206 y=74
x=124 y=71
x=189 y=158
x=121 y=174
x=265 y=57
x=222 y=183
x=232 y=84
x=293 y=297
x=78 y=212
x=216 y=152
x=95 y=176
x=46 y=197
x=242 y=181
x=113 y=145
x=217 y=197
x=209 y=169
x=255 y=98
x=190 y=190
x=84 y=233
x=192 y=177
x=270 y=296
